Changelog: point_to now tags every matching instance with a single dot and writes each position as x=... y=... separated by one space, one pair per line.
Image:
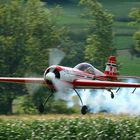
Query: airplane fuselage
x=68 y=74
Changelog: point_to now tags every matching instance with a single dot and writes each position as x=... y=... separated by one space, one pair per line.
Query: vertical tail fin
x=111 y=68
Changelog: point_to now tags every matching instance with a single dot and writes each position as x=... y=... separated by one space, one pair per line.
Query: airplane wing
x=94 y=84
x=128 y=77
x=79 y=83
x=22 y=80
x=119 y=77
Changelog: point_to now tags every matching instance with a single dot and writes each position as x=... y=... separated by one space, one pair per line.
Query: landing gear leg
x=112 y=94
x=84 y=108
x=41 y=107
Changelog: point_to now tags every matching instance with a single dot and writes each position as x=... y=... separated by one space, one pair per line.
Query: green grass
x=120 y=9
x=72 y=13
x=121 y=42
x=121 y=24
x=100 y=127
x=129 y=66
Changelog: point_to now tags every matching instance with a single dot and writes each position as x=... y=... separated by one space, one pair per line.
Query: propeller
x=32 y=87
x=55 y=56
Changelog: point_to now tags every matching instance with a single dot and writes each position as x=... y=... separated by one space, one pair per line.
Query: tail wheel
x=84 y=109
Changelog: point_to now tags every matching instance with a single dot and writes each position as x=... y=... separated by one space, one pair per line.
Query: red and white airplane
x=82 y=76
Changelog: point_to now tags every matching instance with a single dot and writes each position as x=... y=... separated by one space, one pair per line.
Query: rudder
x=111 y=68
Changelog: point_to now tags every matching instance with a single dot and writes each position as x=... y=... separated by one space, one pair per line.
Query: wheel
x=84 y=109
x=41 y=108
x=112 y=95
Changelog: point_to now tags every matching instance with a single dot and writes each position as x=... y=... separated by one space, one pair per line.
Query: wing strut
x=134 y=90
x=117 y=90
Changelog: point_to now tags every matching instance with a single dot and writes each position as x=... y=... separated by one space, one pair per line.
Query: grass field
x=63 y=127
x=122 y=42
x=72 y=17
x=64 y=116
x=129 y=66
x=120 y=8
x=72 y=13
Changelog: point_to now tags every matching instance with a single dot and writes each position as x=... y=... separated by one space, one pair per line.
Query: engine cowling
x=51 y=74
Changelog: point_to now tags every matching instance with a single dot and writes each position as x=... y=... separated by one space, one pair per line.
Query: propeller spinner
x=51 y=74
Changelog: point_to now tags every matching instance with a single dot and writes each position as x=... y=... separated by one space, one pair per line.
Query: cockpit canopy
x=85 y=67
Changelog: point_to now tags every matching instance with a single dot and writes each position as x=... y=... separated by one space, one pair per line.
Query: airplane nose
x=50 y=76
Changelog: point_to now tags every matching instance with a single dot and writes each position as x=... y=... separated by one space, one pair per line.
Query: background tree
x=100 y=40
x=27 y=30
x=135 y=14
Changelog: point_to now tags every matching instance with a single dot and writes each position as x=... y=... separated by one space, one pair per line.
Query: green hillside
x=122 y=31
x=72 y=17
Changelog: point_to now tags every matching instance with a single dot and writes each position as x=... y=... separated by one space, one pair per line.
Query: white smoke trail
x=124 y=102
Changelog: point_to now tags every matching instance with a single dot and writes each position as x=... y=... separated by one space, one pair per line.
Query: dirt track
x=62 y=116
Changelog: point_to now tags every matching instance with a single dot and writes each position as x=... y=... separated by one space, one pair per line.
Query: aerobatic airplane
x=82 y=76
